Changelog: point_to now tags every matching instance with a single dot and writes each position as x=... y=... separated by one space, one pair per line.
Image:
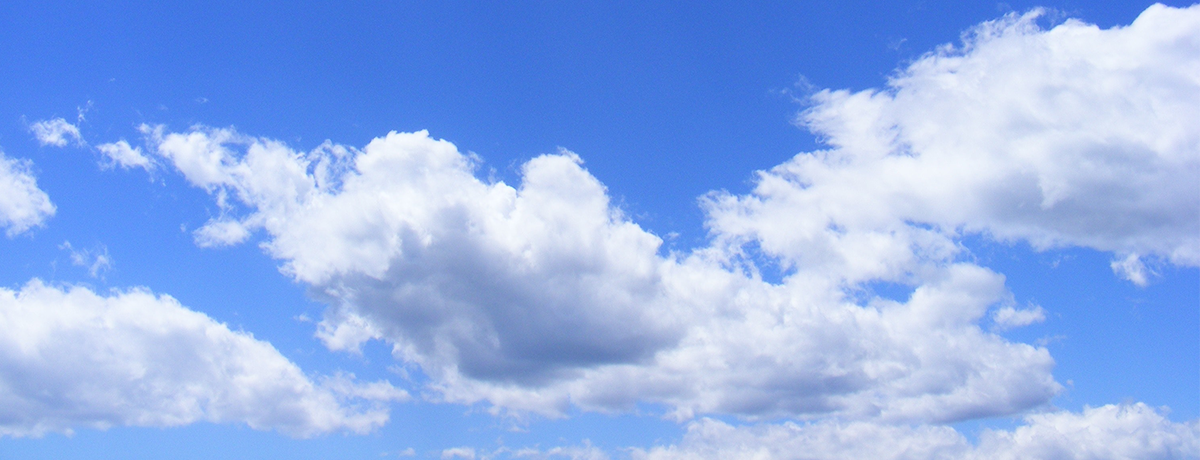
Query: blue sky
x=631 y=230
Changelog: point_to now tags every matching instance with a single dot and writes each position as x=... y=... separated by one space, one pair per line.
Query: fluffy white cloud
x=71 y=358
x=1074 y=136
x=1008 y=317
x=56 y=132
x=22 y=204
x=1110 y=432
x=536 y=297
x=122 y=154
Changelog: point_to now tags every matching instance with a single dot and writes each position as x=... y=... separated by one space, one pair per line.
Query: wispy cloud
x=57 y=132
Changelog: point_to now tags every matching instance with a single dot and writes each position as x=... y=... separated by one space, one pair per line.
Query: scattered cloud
x=1008 y=317
x=71 y=358
x=459 y=452
x=22 y=204
x=1133 y=431
x=95 y=260
x=542 y=295
x=121 y=154
x=57 y=132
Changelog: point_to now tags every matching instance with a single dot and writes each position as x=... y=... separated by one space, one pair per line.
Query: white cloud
x=95 y=260
x=1110 y=432
x=1132 y=269
x=22 y=204
x=1008 y=317
x=539 y=296
x=56 y=132
x=534 y=296
x=71 y=358
x=458 y=452
x=1075 y=136
x=121 y=154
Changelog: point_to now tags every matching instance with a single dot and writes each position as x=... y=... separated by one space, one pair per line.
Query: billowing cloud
x=536 y=297
x=72 y=358
x=1074 y=136
x=22 y=204
x=56 y=132
x=542 y=295
x=1133 y=431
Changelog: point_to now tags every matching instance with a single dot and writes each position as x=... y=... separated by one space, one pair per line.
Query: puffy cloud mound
x=72 y=358
x=543 y=295
x=538 y=296
x=22 y=204
x=1074 y=136
x=1110 y=432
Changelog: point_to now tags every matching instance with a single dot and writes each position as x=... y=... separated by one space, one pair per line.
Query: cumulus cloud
x=122 y=154
x=22 y=204
x=542 y=295
x=1009 y=317
x=1074 y=136
x=538 y=296
x=56 y=132
x=1133 y=431
x=71 y=358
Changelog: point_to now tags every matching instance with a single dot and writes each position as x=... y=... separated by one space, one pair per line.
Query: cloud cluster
x=543 y=295
x=22 y=204
x=1133 y=431
x=70 y=357
x=1074 y=136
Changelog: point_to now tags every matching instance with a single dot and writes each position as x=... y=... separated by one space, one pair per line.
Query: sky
x=600 y=230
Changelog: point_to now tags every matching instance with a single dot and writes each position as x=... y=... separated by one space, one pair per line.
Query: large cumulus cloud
x=541 y=295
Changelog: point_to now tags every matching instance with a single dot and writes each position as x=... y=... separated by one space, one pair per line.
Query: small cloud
x=201 y=100
x=458 y=452
x=1132 y=269
x=56 y=132
x=409 y=452
x=95 y=260
x=1009 y=318
x=83 y=110
x=122 y=154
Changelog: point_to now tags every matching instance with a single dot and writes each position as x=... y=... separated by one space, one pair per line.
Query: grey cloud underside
x=537 y=297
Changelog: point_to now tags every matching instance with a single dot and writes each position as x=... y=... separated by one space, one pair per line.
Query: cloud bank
x=536 y=297
x=72 y=358
x=1133 y=431
x=543 y=295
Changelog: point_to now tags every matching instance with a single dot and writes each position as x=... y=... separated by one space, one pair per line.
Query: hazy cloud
x=1133 y=431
